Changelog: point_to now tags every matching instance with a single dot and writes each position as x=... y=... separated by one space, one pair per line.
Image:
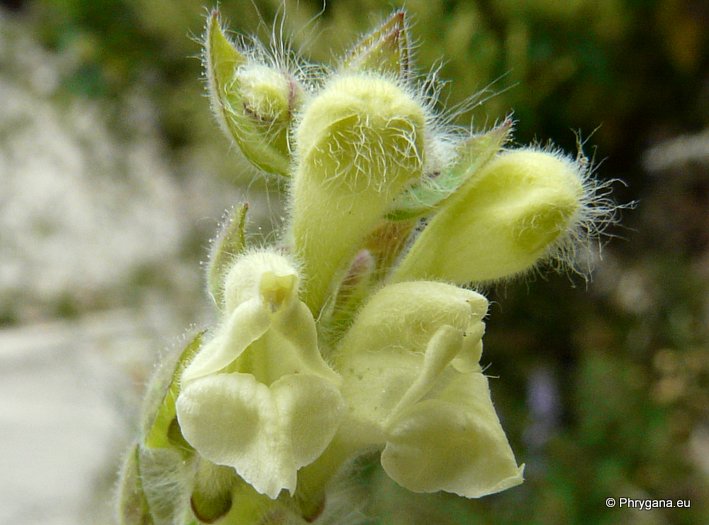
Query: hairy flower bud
x=507 y=218
x=359 y=144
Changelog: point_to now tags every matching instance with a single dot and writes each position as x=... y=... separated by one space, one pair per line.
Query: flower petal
x=309 y=412
x=383 y=353
x=445 y=344
x=408 y=314
x=296 y=328
x=508 y=217
x=458 y=447
x=231 y=419
x=373 y=384
x=265 y=434
x=248 y=322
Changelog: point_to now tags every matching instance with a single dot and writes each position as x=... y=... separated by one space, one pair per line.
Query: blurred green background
x=603 y=387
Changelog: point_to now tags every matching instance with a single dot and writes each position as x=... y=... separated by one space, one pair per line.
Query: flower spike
x=354 y=333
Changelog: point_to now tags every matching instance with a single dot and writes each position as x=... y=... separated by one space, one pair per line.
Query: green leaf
x=352 y=291
x=166 y=477
x=386 y=49
x=212 y=491
x=237 y=100
x=230 y=243
x=161 y=429
x=132 y=505
x=223 y=57
x=432 y=191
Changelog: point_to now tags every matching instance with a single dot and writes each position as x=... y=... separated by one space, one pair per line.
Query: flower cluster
x=358 y=332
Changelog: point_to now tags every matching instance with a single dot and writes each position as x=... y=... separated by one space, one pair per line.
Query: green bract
x=356 y=333
x=253 y=102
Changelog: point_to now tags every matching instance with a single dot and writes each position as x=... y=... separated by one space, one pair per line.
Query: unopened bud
x=509 y=217
x=359 y=144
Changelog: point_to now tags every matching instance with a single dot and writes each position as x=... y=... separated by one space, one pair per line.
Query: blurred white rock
x=90 y=203
x=69 y=394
